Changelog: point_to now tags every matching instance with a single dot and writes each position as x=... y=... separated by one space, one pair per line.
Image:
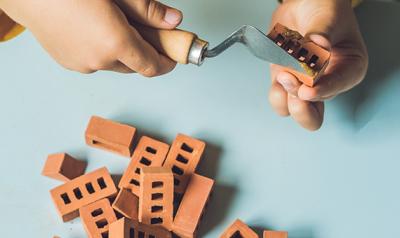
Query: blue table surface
x=341 y=181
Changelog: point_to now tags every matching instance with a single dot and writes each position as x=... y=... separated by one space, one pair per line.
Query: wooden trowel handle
x=179 y=45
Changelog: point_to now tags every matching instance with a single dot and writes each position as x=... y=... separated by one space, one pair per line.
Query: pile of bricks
x=159 y=195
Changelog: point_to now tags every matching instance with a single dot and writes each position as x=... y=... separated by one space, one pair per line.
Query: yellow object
x=8 y=28
x=354 y=3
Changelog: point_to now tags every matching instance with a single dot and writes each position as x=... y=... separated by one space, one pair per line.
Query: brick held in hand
x=239 y=229
x=312 y=57
x=192 y=206
x=148 y=153
x=127 y=204
x=63 y=167
x=126 y=228
x=183 y=158
x=81 y=191
x=96 y=218
x=109 y=135
x=156 y=197
x=275 y=234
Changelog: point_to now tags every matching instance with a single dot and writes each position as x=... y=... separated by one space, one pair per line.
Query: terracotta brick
x=192 y=206
x=109 y=135
x=239 y=229
x=127 y=204
x=126 y=228
x=156 y=197
x=183 y=158
x=313 y=58
x=275 y=234
x=63 y=167
x=81 y=191
x=96 y=218
x=148 y=152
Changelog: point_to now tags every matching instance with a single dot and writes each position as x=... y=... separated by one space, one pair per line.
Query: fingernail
x=285 y=82
x=172 y=16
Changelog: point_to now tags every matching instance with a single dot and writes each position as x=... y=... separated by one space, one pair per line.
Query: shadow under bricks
x=381 y=34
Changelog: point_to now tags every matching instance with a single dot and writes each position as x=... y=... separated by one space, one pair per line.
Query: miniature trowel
x=281 y=46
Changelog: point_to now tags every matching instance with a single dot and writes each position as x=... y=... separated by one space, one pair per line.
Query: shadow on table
x=379 y=26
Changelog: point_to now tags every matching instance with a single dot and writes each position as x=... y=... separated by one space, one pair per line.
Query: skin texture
x=92 y=35
x=332 y=25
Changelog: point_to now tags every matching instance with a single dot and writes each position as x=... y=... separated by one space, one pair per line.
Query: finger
x=288 y=81
x=151 y=13
x=119 y=67
x=141 y=57
x=308 y=114
x=278 y=99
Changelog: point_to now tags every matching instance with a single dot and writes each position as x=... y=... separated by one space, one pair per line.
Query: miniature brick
x=148 y=152
x=156 y=197
x=313 y=58
x=108 y=135
x=183 y=158
x=81 y=191
x=192 y=206
x=127 y=204
x=239 y=229
x=275 y=234
x=96 y=218
x=63 y=167
x=126 y=228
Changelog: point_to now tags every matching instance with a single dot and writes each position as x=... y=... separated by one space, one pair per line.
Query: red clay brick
x=275 y=234
x=63 y=167
x=109 y=135
x=127 y=204
x=313 y=58
x=81 y=191
x=96 y=218
x=183 y=158
x=192 y=206
x=239 y=229
x=156 y=197
x=148 y=152
x=126 y=228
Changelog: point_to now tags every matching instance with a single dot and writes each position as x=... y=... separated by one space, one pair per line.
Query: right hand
x=92 y=35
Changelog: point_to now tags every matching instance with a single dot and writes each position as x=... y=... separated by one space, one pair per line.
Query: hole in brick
x=156 y=208
x=156 y=220
x=177 y=170
x=151 y=236
x=313 y=61
x=182 y=159
x=135 y=182
x=151 y=150
x=97 y=212
x=104 y=234
x=101 y=183
x=157 y=196
x=236 y=235
x=140 y=234
x=131 y=232
x=78 y=193
x=157 y=184
x=145 y=161
x=137 y=170
x=65 y=198
x=289 y=46
x=176 y=182
x=279 y=39
x=101 y=223
x=89 y=188
x=186 y=148
x=302 y=54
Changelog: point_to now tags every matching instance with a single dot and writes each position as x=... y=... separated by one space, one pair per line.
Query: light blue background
x=342 y=181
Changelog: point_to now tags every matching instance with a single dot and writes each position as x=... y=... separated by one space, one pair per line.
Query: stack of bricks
x=146 y=196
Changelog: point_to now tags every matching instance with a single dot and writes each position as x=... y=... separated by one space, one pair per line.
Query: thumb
x=151 y=13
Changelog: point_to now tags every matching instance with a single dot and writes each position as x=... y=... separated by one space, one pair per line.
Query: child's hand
x=332 y=25
x=90 y=35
